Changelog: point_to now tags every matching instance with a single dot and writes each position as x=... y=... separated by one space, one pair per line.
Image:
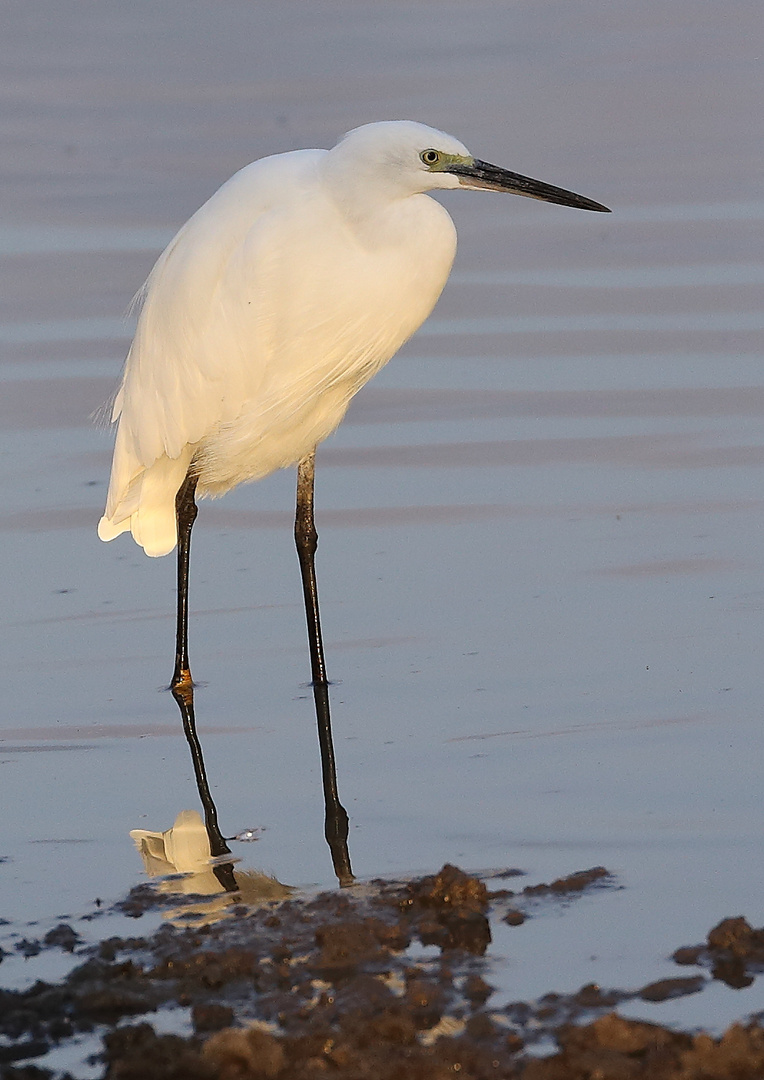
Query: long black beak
x=480 y=174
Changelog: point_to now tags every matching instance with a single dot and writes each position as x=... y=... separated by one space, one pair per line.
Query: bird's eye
x=430 y=157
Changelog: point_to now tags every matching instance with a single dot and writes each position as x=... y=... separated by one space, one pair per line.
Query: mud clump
x=346 y=947
x=63 y=936
x=667 y=989
x=207 y=1018
x=449 y=890
x=612 y=1048
x=138 y=1053
x=337 y=986
x=573 y=883
x=235 y=1054
x=734 y=951
x=449 y=910
x=563 y=888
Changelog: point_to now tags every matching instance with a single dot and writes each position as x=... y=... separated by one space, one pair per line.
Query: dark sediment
x=337 y=986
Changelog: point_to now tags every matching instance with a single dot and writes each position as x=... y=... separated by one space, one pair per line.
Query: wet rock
x=521 y=1012
x=368 y=993
x=614 y=1032
x=138 y=1053
x=396 y=936
x=476 y=989
x=211 y=969
x=211 y=1016
x=424 y=1001
x=734 y=951
x=252 y=1054
x=582 y=879
x=733 y=972
x=736 y=936
x=666 y=989
x=613 y=1048
x=481 y=1027
x=468 y=930
x=28 y=947
x=738 y=1055
x=592 y=996
x=110 y=948
x=345 y=947
x=451 y=888
x=449 y=910
x=140 y=899
x=108 y=1004
x=62 y=936
x=95 y=970
x=688 y=954
x=392 y=1027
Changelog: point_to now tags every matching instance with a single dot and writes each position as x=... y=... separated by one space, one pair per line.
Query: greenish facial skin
x=445 y=162
x=473 y=173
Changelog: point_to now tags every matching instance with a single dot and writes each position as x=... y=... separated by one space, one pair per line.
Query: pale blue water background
x=541 y=526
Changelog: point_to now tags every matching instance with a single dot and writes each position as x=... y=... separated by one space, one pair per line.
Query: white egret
x=289 y=289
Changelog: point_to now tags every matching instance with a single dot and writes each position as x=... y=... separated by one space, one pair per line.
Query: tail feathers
x=108 y=529
x=147 y=508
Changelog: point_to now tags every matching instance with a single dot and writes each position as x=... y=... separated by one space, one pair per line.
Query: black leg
x=185 y=512
x=306 y=539
x=182 y=685
x=224 y=872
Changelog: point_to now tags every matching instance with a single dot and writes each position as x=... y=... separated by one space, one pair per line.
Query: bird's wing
x=260 y=321
x=329 y=303
x=200 y=350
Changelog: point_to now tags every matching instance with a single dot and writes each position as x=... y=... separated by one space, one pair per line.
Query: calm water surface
x=541 y=525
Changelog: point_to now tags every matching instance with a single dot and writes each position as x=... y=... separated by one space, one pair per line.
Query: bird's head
x=405 y=158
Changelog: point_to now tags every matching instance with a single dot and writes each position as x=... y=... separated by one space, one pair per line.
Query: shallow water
x=540 y=560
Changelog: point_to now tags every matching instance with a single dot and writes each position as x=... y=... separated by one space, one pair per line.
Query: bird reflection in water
x=196 y=848
x=182 y=856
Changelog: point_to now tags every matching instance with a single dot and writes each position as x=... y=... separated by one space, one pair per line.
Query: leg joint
x=185 y=503
x=305 y=535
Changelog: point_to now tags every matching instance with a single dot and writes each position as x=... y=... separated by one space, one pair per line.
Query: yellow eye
x=430 y=157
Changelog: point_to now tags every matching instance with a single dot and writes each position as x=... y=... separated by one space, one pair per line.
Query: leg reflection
x=336 y=819
x=184 y=695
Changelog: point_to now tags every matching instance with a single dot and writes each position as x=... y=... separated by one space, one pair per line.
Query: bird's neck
x=370 y=203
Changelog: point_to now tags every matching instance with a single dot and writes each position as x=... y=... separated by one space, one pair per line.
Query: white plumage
x=275 y=303
x=271 y=307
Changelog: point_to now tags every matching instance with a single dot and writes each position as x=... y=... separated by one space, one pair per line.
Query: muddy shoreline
x=384 y=980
